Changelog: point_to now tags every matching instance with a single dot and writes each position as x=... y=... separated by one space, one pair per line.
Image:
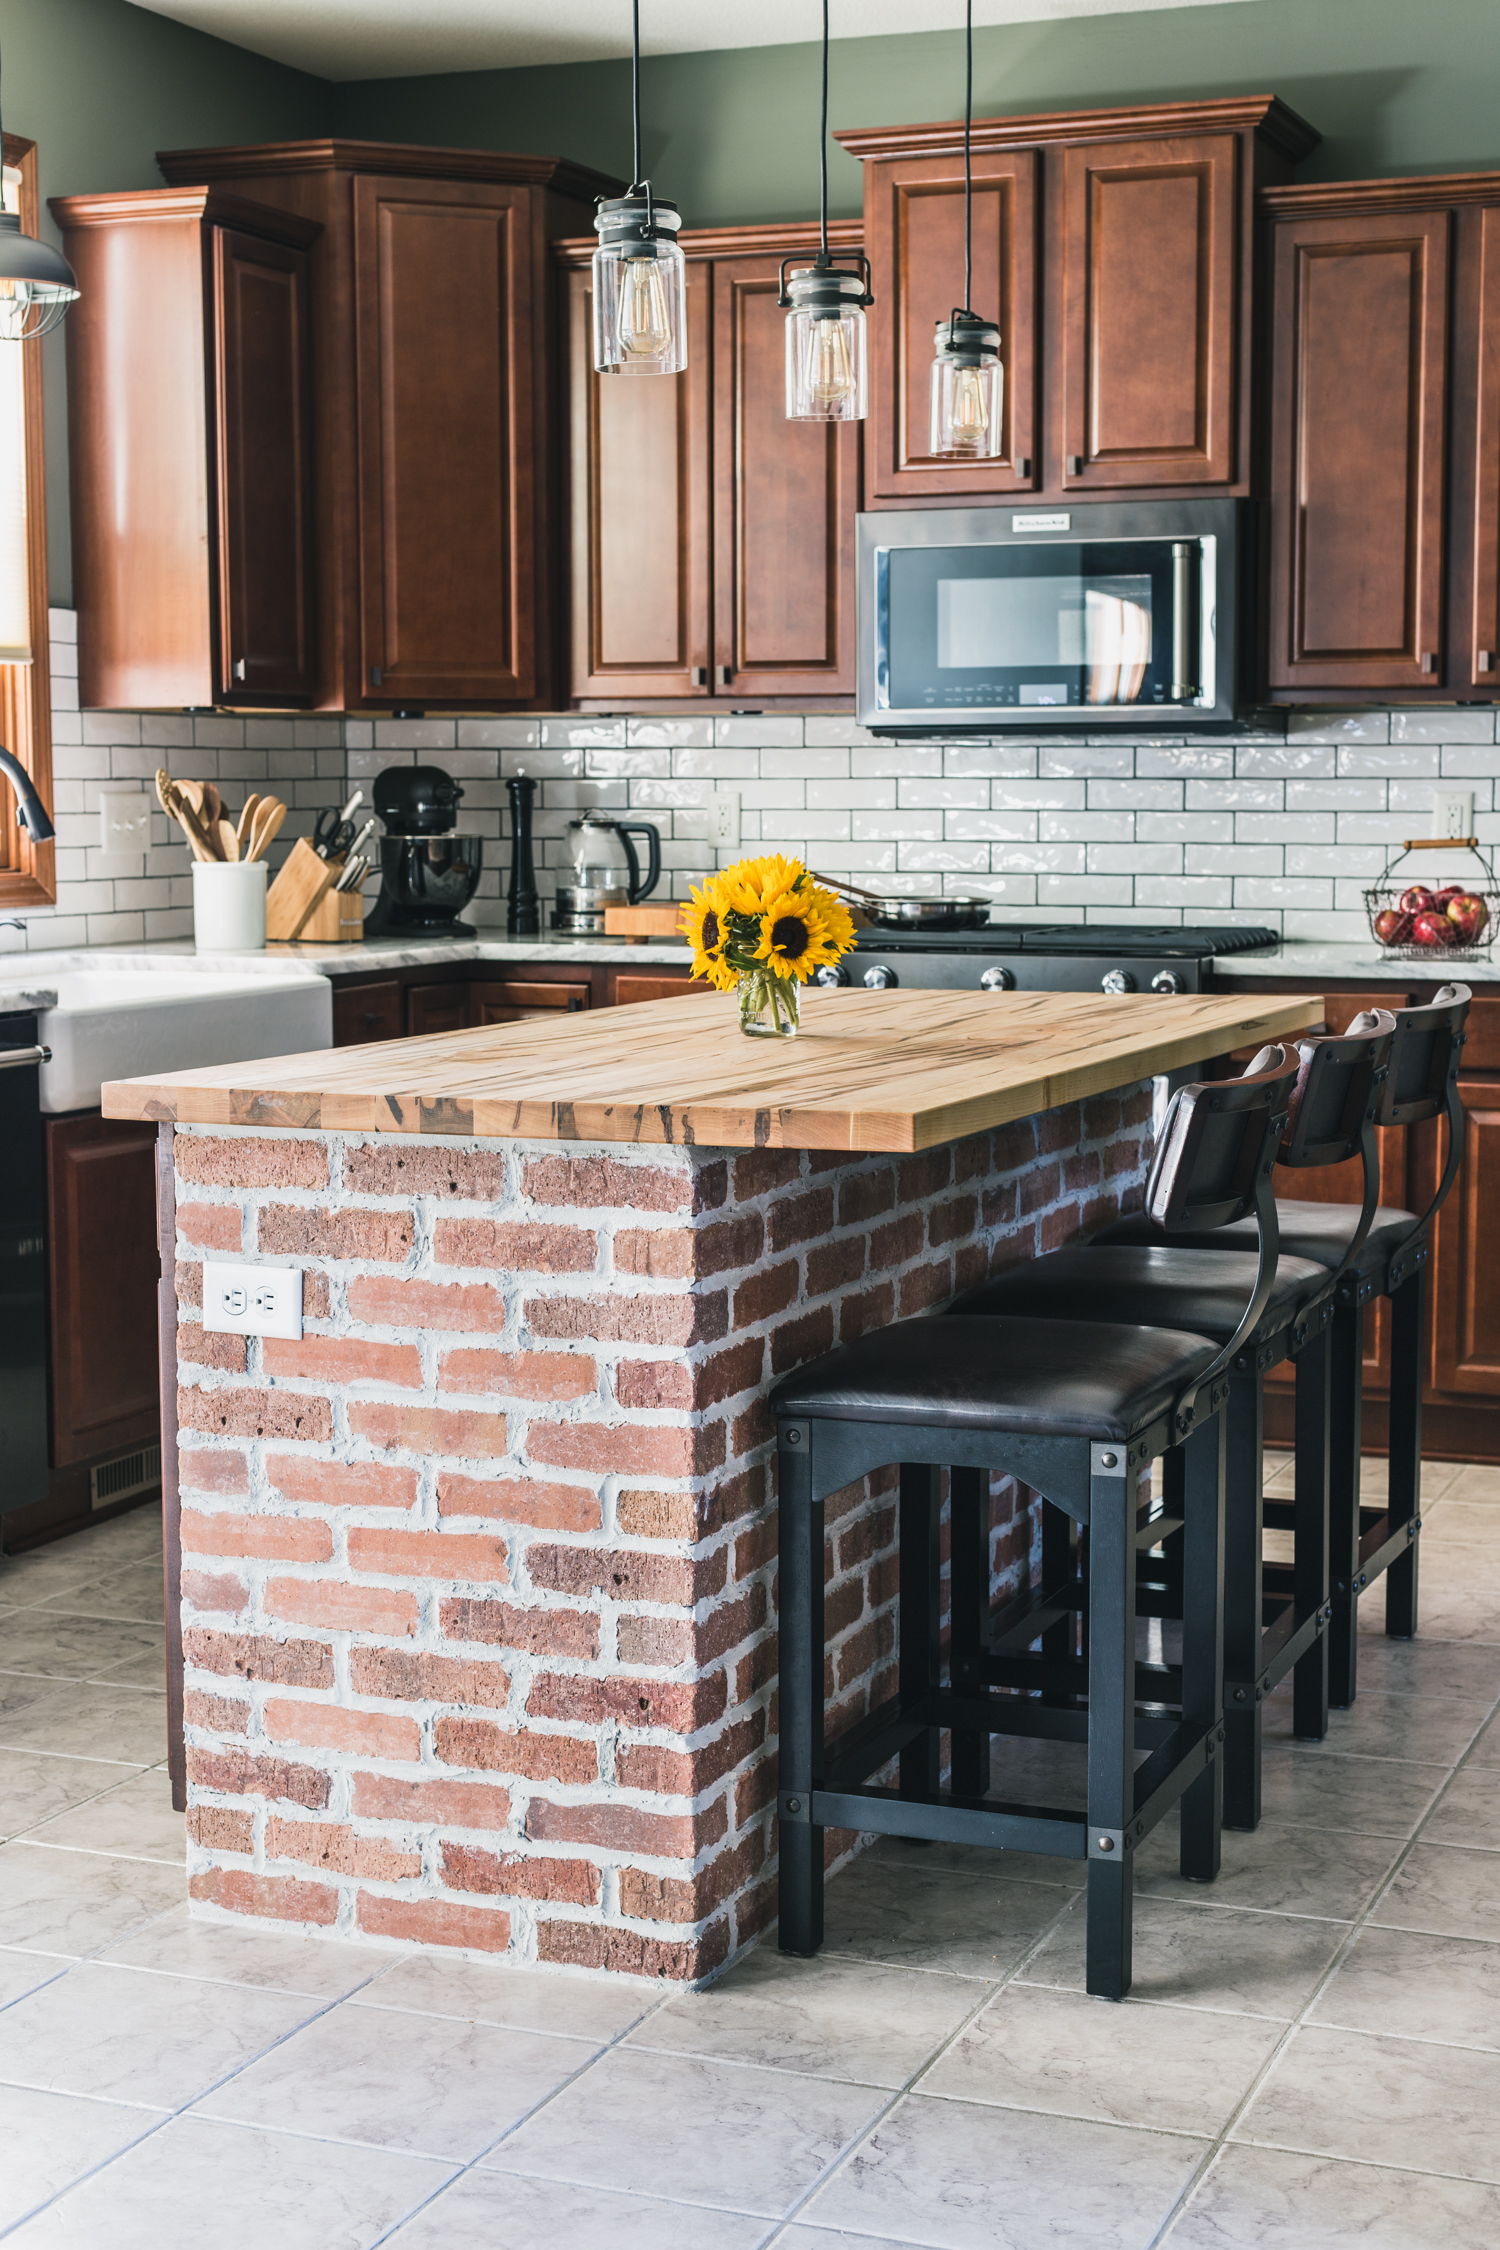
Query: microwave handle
x=1186 y=564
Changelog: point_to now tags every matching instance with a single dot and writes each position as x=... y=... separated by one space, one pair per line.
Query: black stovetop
x=1122 y=940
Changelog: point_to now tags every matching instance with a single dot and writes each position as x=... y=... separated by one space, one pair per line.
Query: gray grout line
x=1359 y=1923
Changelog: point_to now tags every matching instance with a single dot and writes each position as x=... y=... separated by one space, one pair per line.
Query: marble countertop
x=1358 y=964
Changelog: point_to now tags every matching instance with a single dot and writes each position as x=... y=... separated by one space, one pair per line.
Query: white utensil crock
x=229 y=905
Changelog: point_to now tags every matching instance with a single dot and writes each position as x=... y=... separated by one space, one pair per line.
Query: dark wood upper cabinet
x=639 y=511
x=1150 y=305
x=189 y=413
x=1359 y=384
x=104 y=1267
x=435 y=443
x=712 y=541
x=1464 y=1284
x=915 y=235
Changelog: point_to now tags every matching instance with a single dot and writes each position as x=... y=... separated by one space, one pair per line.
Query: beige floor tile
x=1461 y=1522
x=270 y=2188
x=1176 y=2069
x=125 y=2036
x=352 y=2075
x=1416 y=1987
x=1265 y=2199
x=23 y=1972
x=74 y=1902
x=1459 y=1599
x=593 y=2008
x=1445 y=1889
x=215 y=1953
x=829 y=2017
x=1398 y=2102
x=934 y=1919
x=51 y=2140
x=493 y=2210
x=97 y=1720
x=1469 y=1812
x=33 y=1787
x=1476 y=1482
x=1203 y=1956
x=963 y=2176
x=1277 y=1870
x=133 y=1818
x=20 y=1690
x=133 y=1592
x=1446 y=1669
x=739 y=2140
x=1419 y=1729
x=71 y=1648
x=1486 y=1750
x=1311 y=1786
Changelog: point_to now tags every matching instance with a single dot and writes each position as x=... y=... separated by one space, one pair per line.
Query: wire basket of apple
x=1420 y=922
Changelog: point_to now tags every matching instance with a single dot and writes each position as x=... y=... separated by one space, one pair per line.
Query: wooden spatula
x=267 y=826
x=247 y=816
x=229 y=843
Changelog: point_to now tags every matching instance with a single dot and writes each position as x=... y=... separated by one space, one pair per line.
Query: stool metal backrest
x=1423 y=1083
x=1341 y=1086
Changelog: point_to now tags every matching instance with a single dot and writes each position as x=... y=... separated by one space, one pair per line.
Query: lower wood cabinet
x=516 y=999
x=437 y=1007
x=104 y=1267
x=1464 y=1285
x=416 y=1005
x=630 y=986
x=363 y=1013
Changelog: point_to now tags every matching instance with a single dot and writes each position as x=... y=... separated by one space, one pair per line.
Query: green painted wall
x=1393 y=87
x=100 y=86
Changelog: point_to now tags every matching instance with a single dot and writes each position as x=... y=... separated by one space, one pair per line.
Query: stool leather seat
x=1083 y=1379
x=1316 y=1231
x=1204 y=1294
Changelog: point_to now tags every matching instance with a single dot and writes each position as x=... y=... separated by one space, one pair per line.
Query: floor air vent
x=124 y=1478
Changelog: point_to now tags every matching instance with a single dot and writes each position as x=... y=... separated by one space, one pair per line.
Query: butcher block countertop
x=894 y=1071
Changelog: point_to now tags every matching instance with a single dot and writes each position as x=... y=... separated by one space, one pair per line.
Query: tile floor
x=1310 y=2057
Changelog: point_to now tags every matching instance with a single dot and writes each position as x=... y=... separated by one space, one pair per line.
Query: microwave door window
x=1117 y=639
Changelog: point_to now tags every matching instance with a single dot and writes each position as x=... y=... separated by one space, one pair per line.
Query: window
x=27 y=872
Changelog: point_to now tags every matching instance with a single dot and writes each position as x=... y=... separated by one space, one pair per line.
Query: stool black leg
x=1111 y=1727
x=1408 y=1306
x=1203 y=1639
x=800 y=1634
x=919 y=1652
x=969 y=1607
x=1310 y=1533
x=1059 y=1567
x=1244 y=1473
x=1345 y=1420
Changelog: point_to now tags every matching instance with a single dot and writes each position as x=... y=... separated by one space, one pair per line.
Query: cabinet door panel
x=1481 y=655
x=520 y=999
x=916 y=247
x=366 y=1012
x=1360 y=350
x=785 y=495
x=630 y=986
x=264 y=467
x=443 y=294
x=1149 y=232
x=638 y=506
x=104 y=1263
x=1464 y=1284
x=432 y=1008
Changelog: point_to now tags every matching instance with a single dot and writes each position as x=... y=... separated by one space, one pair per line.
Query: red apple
x=1468 y=915
x=1417 y=900
x=1431 y=928
x=1444 y=898
x=1392 y=927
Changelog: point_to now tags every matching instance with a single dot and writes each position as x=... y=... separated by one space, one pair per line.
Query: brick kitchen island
x=476 y=1581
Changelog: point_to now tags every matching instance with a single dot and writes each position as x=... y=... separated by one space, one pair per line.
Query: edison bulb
x=645 y=329
x=830 y=375
x=969 y=414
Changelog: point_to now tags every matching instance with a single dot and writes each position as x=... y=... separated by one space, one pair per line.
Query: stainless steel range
x=1044 y=957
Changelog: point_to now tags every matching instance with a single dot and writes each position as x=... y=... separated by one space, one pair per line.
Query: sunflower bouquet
x=762 y=928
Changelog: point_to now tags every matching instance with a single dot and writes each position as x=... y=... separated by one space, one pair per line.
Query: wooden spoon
x=229 y=843
x=267 y=827
x=182 y=812
x=247 y=816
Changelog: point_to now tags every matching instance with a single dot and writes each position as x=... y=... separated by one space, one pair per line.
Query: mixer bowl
x=429 y=880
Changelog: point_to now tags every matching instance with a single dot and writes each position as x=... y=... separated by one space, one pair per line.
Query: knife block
x=302 y=903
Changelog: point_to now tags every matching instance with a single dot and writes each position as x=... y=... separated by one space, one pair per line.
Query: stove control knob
x=998 y=980
x=1117 y=980
x=1169 y=980
x=830 y=974
x=881 y=980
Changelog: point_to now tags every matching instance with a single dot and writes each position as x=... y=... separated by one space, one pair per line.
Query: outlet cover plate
x=124 y=822
x=724 y=817
x=1453 y=812
x=241 y=1300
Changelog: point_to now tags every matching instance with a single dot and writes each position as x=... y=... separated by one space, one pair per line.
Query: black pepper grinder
x=522 y=910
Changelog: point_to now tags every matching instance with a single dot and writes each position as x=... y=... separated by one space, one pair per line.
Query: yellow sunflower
x=751 y=882
x=838 y=924
x=794 y=938
x=701 y=924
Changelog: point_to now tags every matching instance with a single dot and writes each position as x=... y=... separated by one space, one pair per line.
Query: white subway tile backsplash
x=1338 y=726
x=922 y=793
x=1402 y=758
x=1443 y=727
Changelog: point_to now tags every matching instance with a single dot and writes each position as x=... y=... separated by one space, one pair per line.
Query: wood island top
x=895 y=1071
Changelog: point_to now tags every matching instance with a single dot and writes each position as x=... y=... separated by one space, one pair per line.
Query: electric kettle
x=604 y=871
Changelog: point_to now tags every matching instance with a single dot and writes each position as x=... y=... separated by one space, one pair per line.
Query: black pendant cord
x=823 y=152
x=635 y=91
x=968 y=168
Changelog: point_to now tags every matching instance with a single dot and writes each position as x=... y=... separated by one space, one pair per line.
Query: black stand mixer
x=428 y=871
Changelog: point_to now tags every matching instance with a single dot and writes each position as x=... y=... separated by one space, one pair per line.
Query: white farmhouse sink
x=127 y=1018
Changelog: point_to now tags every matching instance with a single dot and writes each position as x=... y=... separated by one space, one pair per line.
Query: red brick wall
x=479 y=1577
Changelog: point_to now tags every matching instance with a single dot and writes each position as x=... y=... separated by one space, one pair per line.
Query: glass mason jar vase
x=770 y=1006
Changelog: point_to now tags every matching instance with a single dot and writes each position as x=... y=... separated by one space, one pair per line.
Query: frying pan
x=888 y=912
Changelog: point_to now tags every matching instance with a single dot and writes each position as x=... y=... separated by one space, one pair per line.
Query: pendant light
x=968 y=382
x=640 y=277
x=36 y=282
x=825 y=308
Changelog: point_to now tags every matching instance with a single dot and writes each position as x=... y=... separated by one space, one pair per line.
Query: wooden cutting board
x=871 y=1070
x=643 y=921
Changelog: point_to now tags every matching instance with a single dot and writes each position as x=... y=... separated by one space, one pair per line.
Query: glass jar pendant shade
x=968 y=390
x=968 y=382
x=640 y=276
x=37 y=284
x=15 y=564
x=825 y=316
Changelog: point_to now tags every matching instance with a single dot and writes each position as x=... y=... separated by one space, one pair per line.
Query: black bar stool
x=1275 y=1618
x=1077 y=1410
x=1371 y=1251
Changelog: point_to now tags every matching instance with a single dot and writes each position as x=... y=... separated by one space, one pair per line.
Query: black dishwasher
x=23 y=1269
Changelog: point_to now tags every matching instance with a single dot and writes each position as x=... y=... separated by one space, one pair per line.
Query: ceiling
x=408 y=38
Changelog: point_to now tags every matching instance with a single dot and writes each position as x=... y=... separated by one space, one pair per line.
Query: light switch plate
x=724 y=817
x=124 y=821
x=241 y=1300
x=1453 y=812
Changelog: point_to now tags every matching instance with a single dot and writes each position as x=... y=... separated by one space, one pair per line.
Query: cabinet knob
x=699 y=675
x=1429 y=661
x=239 y=667
x=1075 y=464
x=1484 y=660
x=376 y=675
x=1023 y=466
x=726 y=674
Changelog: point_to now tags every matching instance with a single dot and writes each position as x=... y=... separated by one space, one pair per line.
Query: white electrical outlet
x=124 y=821
x=724 y=817
x=241 y=1300
x=1453 y=812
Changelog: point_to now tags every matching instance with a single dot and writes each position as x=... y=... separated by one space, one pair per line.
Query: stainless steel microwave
x=1098 y=614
